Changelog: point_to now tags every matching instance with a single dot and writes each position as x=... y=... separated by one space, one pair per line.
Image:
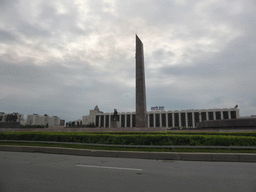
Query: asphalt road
x=49 y=172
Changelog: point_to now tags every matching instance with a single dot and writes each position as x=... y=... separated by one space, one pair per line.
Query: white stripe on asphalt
x=103 y=167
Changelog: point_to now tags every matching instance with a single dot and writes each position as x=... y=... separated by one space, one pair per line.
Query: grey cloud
x=171 y=97
x=45 y=89
x=6 y=4
x=161 y=54
x=220 y=74
x=153 y=11
x=238 y=56
x=7 y=37
x=46 y=24
x=62 y=22
x=33 y=30
x=226 y=76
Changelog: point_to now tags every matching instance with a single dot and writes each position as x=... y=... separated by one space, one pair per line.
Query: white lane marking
x=103 y=167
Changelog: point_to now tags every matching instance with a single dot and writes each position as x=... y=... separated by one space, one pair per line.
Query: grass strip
x=77 y=146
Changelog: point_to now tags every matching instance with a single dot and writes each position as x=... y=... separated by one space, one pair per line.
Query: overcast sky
x=63 y=57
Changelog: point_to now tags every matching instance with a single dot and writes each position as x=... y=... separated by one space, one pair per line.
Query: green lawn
x=148 y=149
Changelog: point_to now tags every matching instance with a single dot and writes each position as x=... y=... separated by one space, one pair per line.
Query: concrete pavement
x=60 y=173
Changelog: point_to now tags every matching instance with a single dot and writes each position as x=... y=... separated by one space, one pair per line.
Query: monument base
x=114 y=124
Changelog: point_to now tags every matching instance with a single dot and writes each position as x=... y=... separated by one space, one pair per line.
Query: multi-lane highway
x=48 y=172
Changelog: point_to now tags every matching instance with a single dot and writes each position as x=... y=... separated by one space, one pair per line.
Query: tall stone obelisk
x=141 y=108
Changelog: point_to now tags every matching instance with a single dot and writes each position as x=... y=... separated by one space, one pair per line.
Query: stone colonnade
x=182 y=118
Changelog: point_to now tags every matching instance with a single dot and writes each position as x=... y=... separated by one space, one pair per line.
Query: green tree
x=11 y=118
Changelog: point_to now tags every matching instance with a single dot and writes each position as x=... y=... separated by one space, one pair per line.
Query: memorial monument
x=114 y=119
x=141 y=108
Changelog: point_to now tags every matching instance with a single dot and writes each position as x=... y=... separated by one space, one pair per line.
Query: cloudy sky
x=63 y=57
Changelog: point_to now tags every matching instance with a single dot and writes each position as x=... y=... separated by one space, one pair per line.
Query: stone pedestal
x=114 y=124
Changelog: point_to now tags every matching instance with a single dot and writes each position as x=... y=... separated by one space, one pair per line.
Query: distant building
x=252 y=116
x=91 y=117
x=44 y=120
x=62 y=122
x=2 y=117
x=20 y=117
x=76 y=123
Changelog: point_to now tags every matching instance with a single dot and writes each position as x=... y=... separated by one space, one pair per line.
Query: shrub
x=133 y=139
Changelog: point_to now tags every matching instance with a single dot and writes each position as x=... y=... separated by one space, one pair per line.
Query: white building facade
x=170 y=119
x=91 y=118
x=44 y=120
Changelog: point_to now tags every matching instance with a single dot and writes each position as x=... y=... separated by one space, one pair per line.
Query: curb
x=136 y=146
x=220 y=157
